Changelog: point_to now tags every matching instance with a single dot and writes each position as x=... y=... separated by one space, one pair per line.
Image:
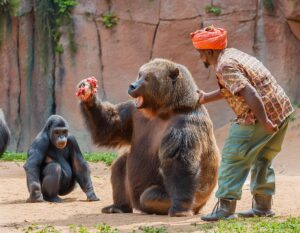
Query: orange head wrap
x=210 y=38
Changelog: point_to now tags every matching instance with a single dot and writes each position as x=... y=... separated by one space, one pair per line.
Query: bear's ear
x=174 y=74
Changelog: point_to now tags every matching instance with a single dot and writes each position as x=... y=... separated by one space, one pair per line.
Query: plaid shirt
x=234 y=71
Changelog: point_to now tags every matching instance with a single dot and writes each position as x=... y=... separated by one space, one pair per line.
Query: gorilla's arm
x=4 y=133
x=110 y=125
x=36 y=155
x=81 y=169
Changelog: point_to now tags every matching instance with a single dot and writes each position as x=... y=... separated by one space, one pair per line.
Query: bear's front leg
x=180 y=179
x=155 y=200
x=122 y=203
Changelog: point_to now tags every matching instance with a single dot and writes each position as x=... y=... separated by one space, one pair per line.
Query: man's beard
x=206 y=64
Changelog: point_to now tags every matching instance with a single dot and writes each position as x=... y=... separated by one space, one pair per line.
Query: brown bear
x=172 y=163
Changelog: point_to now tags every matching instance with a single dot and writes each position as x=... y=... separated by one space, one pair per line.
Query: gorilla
x=4 y=133
x=55 y=163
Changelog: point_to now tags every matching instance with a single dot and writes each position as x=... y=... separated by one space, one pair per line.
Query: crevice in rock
x=255 y=48
x=53 y=106
x=258 y=32
x=31 y=65
x=248 y=20
x=138 y=22
x=7 y=47
x=153 y=39
x=102 y=87
x=182 y=19
x=19 y=118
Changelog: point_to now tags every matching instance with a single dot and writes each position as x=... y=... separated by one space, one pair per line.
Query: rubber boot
x=261 y=207
x=224 y=209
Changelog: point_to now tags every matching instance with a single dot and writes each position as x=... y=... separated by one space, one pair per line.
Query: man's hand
x=270 y=127
x=86 y=89
x=206 y=97
x=202 y=95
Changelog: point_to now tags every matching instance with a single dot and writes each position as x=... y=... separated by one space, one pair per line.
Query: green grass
x=33 y=228
x=254 y=225
x=11 y=156
x=150 y=229
x=105 y=157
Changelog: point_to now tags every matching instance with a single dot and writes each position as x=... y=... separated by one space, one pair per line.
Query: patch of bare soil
x=15 y=214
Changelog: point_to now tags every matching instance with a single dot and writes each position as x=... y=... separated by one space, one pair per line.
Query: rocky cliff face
x=146 y=29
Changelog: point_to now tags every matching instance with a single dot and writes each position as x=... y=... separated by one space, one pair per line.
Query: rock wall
x=146 y=29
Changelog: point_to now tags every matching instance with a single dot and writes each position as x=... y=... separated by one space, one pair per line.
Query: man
x=255 y=138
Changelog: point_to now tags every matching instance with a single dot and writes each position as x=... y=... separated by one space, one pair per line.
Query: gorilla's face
x=59 y=137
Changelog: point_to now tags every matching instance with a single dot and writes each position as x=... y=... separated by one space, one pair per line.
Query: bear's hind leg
x=155 y=200
x=122 y=203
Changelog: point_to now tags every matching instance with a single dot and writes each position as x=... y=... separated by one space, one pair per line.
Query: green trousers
x=249 y=147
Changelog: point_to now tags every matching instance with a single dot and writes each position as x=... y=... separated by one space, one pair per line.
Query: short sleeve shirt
x=234 y=70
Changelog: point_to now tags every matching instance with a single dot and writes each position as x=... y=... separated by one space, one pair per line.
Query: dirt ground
x=15 y=214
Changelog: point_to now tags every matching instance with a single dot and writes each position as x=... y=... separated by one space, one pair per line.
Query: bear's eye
x=147 y=78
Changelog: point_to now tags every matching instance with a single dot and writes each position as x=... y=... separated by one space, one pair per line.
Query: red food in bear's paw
x=81 y=91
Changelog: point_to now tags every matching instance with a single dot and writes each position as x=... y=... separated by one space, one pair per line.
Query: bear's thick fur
x=172 y=163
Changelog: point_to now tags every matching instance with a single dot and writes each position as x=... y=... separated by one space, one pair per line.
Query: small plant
x=109 y=19
x=30 y=228
x=293 y=115
x=213 y=9
x=150 y=229
x=269 y=5
x=296 y=105
x=104 y=228
x=35 y=228
x=78 y=229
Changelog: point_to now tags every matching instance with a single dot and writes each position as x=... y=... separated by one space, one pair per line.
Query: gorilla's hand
x=86 y=89
x=91 y=196
x=35 y=198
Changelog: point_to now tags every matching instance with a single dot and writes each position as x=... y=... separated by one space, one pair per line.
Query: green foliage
x=296 y=105
x=104 y=228
x=8 y=8
x=52 y=16
x=109 y=19
x=293 y=115
x=269 y=5
x=106 y=157
x=30 y=228
x=213 y=9
x=33 y=228
x=11 y=156
x=150 y=229
x=101 y=228
x=64 y=6
x=78 y=229
x=255 y=225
